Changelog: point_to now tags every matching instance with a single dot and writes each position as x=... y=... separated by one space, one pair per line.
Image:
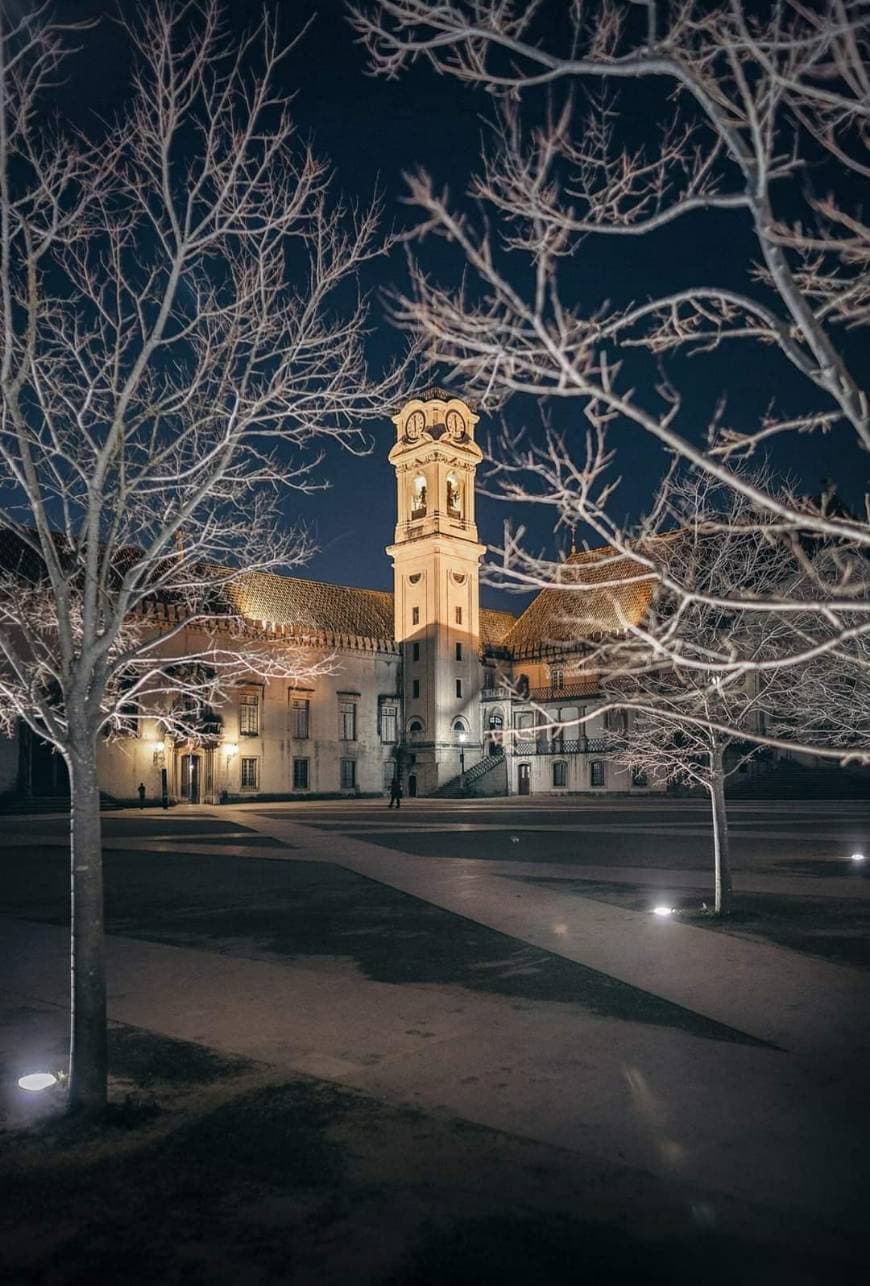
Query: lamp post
x=462 y=761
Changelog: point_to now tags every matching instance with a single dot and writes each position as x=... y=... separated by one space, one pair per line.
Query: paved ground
x=498 y=963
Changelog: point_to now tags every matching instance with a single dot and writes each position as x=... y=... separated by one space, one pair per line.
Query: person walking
x=396 y=792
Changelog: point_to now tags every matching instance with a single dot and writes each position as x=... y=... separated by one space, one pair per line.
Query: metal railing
x=559 y=746
x=587 y=688
x=582 y=688
x=482 y=767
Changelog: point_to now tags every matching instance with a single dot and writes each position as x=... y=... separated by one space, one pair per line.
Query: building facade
x=422 y=682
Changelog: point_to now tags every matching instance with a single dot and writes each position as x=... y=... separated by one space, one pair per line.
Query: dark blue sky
x=373 y=130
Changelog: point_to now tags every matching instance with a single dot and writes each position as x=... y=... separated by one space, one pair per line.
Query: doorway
x=190 y=778
x=412 y=785
x=524 y=779
x=47 y=772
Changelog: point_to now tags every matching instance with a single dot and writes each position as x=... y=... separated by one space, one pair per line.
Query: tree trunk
x=88 y=1068
x=721 y=850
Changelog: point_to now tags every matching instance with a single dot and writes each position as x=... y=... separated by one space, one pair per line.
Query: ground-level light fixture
x=857 y=857
x=37 y=1081
x=663 y=910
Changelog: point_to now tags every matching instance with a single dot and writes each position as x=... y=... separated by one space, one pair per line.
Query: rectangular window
x=347 y=720
x=250 y=774
x=459 y=651
x=299 y=712
x=459 y=687
x=459 y=616
x=614 y=720
x=557 y=677
x=415 y=651
x=596 y=772
x=389 y=723
x=415 y=616
x=348 y=774
x=639 y=778
x=389 y=773
x=560 y=774
x=415 y=687
x=249 y=714
x=300 y=774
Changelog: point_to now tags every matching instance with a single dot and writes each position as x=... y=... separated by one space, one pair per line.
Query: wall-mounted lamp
x=230 y=749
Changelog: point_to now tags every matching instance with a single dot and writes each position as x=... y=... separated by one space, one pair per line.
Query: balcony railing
x=557 y=746
x=583 y=688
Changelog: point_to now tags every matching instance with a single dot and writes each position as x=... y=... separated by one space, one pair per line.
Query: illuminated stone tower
x=436 y=558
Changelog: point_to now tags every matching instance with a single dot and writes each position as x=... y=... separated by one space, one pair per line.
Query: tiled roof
x=314 y=607
x=494 y=627
x=589 y=605
x=555 y=618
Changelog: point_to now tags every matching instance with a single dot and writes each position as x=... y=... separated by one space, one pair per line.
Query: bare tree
x=766 y=121
x=686 y=717
x=180 y=326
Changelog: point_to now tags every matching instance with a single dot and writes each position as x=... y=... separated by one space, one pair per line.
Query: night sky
x=373 y=130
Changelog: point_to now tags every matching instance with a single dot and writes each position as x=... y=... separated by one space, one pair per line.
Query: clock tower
x=436 y=557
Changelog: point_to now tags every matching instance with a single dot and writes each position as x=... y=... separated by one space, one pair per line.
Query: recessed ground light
x=663 y=910
x=857 y=857
x=37 y=1081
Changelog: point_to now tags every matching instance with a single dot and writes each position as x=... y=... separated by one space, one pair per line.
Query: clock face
x=455 y=424
x=414 y=425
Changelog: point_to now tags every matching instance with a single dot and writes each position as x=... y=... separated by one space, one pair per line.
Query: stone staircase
x=487 y=777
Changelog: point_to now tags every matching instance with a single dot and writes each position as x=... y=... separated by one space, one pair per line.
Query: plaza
x=496 y=966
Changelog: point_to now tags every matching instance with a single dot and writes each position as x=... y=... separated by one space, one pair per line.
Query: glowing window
x=454 y=497
x=418 y=498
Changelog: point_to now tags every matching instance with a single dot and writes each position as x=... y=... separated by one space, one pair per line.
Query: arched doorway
x=496 y=729
x=191 y=778
x=524 y=774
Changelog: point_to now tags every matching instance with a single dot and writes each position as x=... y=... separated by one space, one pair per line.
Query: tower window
x=454 y=504
x=415 y=616
x=415 y=651
x=459 y=616
x=418 y=498
x=415 y=688
x=459 y=651
x=459 y=687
